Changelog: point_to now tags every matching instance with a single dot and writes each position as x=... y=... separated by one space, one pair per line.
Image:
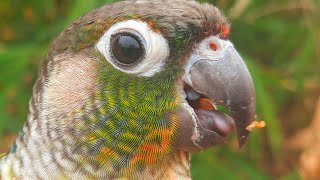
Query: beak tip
x=242 y=140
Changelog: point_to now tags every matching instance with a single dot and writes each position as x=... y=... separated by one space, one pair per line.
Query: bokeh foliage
x=279 y=41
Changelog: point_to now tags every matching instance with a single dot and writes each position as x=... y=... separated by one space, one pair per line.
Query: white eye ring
x=156 y=47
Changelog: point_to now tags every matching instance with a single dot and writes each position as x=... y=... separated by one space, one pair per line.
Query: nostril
x=213 y=46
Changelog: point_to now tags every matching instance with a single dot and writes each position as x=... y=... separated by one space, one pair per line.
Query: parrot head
x=127 y=85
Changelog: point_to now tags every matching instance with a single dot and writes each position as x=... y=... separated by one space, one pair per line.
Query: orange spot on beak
x=256 y=124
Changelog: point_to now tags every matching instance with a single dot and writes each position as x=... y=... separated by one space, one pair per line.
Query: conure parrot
x=129 y=91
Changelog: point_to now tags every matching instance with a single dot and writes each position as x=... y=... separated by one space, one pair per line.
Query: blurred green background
x=279 y=41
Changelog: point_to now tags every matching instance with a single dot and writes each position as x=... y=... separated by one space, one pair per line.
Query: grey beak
x=224 y=78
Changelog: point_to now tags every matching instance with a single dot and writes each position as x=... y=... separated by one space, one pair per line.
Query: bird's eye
x=133 y=47
x=127 y=48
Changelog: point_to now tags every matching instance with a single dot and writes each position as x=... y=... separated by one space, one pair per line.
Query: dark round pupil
x=127 y=49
